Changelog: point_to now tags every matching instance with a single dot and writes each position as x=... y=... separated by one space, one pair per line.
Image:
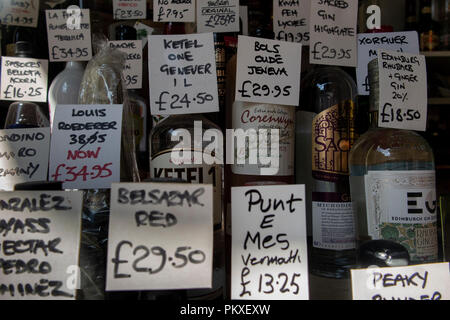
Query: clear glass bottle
x=326 y=130
x=393 y=186
x=65 y=87
x=163 y=140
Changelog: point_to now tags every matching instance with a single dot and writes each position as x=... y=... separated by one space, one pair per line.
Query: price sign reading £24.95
x=85 y=146
x=182 y=73
x=269 y=250
x=160 y=236
x=268 y=71
x=24 y=79
x=403 y=90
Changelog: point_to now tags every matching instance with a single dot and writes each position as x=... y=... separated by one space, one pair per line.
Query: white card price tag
x=132 y=71
x=23 y=13
x=291 y=20
x=217 y=16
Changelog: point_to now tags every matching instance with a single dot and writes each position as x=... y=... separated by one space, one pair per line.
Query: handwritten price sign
x=22 y=13
x=291 y=20
x=129 y=9
x=173 y=11
x=403 y=90
x=217 y=16
x=84 y=150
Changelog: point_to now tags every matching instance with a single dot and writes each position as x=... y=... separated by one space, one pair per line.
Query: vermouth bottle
x=164 y=141
x=393 y=186
x=326 y=130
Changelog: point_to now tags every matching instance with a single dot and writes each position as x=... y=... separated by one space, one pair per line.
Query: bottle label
x=333 y=134
x=257 y=116
x=429 y=41
x=333 y=223
x=162 y=166
x=401 y=207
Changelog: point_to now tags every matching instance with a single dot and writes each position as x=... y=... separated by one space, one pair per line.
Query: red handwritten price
x=84 y=173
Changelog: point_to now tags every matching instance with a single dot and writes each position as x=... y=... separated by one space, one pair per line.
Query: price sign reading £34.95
x=160 y=236
x=24 y=79
x=269 y=250
x=268 y=71
x=69 y=35
x=85 y=146
x=182 y=73
x=403 y=90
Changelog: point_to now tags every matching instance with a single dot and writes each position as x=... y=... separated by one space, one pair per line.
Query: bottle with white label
x=181 y=149
x=325 y=131
x=393 y=186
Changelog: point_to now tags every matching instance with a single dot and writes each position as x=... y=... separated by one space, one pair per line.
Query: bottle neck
x=373 y=119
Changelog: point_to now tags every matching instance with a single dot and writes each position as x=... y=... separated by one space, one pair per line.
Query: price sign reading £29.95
x=182 y=73
x=85 y=146
x=403 y=90
x=160 y=236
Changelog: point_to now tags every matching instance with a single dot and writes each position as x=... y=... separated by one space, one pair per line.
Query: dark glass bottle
x=428 y=28
x=411 y=15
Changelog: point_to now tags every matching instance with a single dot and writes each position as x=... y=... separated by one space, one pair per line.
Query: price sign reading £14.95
x=182 y=73
x=268 y=71
x=85 y=146
x=333 y=33
x=22 y=13
x=160 y=236
x=269 y=250
x=24 y=79
x=403 y=90
x=69 y=35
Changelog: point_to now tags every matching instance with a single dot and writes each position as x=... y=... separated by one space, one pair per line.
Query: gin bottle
x=393 y=186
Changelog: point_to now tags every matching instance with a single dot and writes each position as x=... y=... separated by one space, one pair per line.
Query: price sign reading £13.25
x=85 y=146
x=333 y=33
x=160 y=236
x=403 y=90
x=24 y=79
x=182 y=73
x=268 y=71
x=269 y=250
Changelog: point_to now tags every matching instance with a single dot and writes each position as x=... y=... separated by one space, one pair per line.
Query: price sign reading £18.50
x=403 y=90
x=182 y=73
x=160 y=236
x=85 y=146
x=24 y=79
x=269 y=250
x=268 y=71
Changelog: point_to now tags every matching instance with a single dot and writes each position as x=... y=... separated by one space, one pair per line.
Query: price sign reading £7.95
x=24 y=79
x=85 y=146
x=403 y=90
x=268 y=71
x=160 y=236
x=269 y=250
x=173 y=11
x=182 y=73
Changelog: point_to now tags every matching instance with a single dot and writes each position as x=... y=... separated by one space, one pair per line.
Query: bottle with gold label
x=428 y=28
x=393 y=186
x=325 y=132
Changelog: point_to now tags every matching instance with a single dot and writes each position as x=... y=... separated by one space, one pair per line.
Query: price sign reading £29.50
x=269 y=250
x=268 y=71
x=160 y=236
x=182 y=73
x=85 y=146
x=403 y=91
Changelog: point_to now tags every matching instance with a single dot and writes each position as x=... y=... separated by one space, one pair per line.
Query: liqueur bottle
x=393 y=186
x=428 y=28
x=138 y=110
x=326 y=130
x=410 y=15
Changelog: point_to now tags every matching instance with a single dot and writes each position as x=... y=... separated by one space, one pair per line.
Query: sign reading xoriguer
x=40 y=240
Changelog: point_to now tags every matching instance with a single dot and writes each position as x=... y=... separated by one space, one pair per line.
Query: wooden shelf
x=439 y=101
x=436 y=54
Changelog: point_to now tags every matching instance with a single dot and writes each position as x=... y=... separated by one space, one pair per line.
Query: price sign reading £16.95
x=85 y=146
x=269 y=250
x=333 y=33
x=403 y=91
x=160 y=236
x=268 y=71
x=24 y=79
x=182 y=73
x=69 y=35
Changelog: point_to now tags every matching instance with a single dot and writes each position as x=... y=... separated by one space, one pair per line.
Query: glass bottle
x=65 y=87
x=410 y=15
x=428 y=28
x=393 y=186
x=162 y=142
x=326 y=130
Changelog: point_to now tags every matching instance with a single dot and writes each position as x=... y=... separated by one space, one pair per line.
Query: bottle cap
x=23 y=49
